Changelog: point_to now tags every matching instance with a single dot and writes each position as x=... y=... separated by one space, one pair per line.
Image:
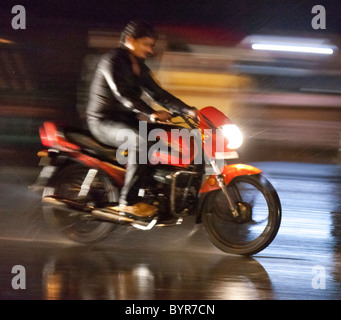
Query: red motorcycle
x=193 y=171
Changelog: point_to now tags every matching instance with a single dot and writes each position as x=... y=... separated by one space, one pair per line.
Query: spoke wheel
x=258 y=220
x=78 y=225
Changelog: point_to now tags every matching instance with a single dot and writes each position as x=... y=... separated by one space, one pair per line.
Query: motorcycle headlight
x=234 y=136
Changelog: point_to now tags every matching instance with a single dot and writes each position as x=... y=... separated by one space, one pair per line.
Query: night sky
x=245 y=16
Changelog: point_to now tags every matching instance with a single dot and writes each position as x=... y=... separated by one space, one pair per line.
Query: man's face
x=142 y=47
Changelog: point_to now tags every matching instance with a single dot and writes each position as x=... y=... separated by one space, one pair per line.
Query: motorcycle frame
x=50 y=136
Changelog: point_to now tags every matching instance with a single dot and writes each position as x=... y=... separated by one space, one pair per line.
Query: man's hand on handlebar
x=161 y=115
x=165 y=116
x=193 y=112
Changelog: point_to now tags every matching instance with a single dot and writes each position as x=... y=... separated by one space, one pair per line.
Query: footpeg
x=145 y=225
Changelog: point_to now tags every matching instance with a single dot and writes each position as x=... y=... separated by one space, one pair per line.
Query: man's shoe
x=139 y=210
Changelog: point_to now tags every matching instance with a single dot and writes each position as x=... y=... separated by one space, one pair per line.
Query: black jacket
x=115 y=92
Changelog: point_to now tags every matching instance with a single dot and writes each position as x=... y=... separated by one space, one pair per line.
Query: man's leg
x=123 y=137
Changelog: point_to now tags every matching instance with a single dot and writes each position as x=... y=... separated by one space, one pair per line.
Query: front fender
x=229 y=172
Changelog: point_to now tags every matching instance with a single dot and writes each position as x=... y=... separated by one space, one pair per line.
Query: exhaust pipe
x=110 y=215
x=66 y=203
x=105 y=214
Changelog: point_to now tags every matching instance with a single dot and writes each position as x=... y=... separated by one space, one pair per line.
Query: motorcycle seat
x=92 y=146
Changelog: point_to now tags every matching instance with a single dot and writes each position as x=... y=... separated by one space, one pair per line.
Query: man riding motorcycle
x=115 y=104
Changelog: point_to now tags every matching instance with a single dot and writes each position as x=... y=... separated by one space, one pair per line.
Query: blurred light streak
x=5 y=41
x=292 y=48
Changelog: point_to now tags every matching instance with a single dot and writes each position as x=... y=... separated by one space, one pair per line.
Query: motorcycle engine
x=180 y=188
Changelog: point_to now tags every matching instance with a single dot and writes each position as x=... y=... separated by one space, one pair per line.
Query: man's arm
x=163 y=97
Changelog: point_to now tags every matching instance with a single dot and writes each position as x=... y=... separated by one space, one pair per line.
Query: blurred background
x=260 y=62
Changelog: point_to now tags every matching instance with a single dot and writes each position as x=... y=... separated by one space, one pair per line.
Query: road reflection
x=81 y=273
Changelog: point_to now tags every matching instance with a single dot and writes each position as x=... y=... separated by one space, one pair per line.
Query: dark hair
x=138 y=29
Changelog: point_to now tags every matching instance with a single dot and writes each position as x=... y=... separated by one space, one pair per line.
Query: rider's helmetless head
x=140 y=38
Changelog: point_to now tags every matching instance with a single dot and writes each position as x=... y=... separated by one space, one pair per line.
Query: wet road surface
x=303 y=262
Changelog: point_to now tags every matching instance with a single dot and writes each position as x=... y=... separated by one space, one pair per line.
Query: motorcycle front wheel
x=77 y=225
x=258 y=220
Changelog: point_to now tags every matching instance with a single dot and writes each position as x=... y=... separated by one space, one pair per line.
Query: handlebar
x=190 y=121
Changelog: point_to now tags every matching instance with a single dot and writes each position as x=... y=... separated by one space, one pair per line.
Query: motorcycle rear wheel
x=259 y=220
x=73 y=223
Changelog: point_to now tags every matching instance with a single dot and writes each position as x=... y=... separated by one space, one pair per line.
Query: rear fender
x=229 y=172
x=53 y=162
